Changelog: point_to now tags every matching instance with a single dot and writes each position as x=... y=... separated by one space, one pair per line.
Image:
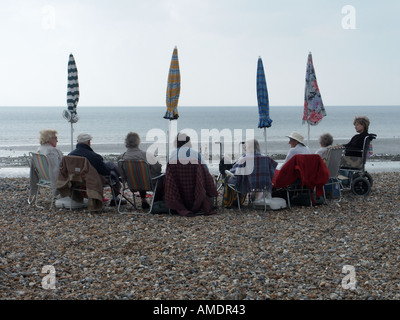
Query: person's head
x=48 y=136
x=361 y=124
x=182 y=139
x=325 y=140
x=252 y=146
x=295 y=138
x=132 y=140
x=84 y=138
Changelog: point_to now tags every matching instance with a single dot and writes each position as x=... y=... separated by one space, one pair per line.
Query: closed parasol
x=173 y=91
x=72 y=95
x=263 y=101
x=314 y=109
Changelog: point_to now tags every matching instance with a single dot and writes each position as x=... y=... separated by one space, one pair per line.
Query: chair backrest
x=367 y=142
x=137 y=175
x=41 y=164
x=334 y=159
x=260 y=178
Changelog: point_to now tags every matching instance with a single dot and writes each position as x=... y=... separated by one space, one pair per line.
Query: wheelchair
x=358 y=180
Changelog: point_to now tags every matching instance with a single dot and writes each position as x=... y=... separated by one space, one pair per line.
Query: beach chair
x=79 y=180
x=302 y=178
x=190 y=189
x=257 y=181
x=41 y=174
x=333 y=161
x=136 y=177
x=353 y=175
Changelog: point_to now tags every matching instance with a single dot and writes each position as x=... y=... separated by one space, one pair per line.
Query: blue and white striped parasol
x=72 y=95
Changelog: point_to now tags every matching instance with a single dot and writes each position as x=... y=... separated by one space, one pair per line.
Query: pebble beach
x=289 y=254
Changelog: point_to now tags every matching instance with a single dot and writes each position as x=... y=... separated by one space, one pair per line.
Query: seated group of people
x=109 y=169
x=297 y=146
x=48 y=147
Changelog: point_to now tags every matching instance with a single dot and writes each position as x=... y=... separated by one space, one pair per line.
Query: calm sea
x=20 y=126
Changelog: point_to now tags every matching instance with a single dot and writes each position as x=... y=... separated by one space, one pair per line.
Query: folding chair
x=303 y=174
x=40 y=164
x=333 y=161
x=258 y=180
x=190 y=189
x=136 y=177
x=78 y=179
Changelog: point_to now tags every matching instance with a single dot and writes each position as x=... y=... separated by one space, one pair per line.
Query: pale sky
x=123 y=51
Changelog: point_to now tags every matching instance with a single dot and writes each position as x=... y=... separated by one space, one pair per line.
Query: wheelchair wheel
x=361 y=186
x=369 y=178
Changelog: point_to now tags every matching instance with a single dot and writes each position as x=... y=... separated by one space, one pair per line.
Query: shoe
x=145 y=205
x=114 y=203
x=105 y=199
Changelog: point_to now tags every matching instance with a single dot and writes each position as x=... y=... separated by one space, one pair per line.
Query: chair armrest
x=158 y=177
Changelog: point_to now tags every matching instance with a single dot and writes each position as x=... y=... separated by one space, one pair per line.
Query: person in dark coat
x=84 y=149
x=361 y=125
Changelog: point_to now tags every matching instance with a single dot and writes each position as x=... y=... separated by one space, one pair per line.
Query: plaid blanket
x=189 y=188
x=260 y=178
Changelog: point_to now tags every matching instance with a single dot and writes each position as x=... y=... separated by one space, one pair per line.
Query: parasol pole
x=265 y=140
x=72 y=134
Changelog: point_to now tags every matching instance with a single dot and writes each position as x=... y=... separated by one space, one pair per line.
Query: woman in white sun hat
x=296 y=145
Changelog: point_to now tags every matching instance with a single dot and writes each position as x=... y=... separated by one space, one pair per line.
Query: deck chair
x=190 y=189
x=78 y=179
x=304 y=176
x=258 y=180
x=136 y=177
x=333 y=161
x=41 y=176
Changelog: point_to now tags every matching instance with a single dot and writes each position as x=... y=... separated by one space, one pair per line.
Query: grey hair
x=326 y=139
x=46 y=135
x=252 y=146
x=132 y=140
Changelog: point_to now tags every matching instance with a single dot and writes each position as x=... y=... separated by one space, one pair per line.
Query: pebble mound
x=284 y=254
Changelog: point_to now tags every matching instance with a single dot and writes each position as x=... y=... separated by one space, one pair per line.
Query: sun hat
x=296 y=136
x=83 y=137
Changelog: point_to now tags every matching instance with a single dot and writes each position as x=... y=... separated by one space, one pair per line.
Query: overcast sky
x=123 y=50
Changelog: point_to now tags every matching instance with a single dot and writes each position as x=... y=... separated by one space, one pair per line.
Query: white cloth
x=322 y=152
x=298 y=149
x=186 y=155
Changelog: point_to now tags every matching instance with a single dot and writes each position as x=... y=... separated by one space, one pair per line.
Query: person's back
x=83 y=149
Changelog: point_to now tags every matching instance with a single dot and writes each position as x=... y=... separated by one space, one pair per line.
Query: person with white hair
x=48 y=147
x=84 y=149
x=297 y=146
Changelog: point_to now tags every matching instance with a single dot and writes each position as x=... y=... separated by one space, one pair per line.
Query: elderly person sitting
x=361 y=125
x=296 y=146
x=84 y=149
x=132 y=142
x=48 y=147
x=245 y=166
x=184 y=153
x=325 y=141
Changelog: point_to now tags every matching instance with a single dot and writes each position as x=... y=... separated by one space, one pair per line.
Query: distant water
x=20 y=126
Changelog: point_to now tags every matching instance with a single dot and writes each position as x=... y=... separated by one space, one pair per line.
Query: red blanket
x=310 y=168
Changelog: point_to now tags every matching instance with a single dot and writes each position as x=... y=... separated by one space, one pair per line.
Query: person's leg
x=145 y=205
